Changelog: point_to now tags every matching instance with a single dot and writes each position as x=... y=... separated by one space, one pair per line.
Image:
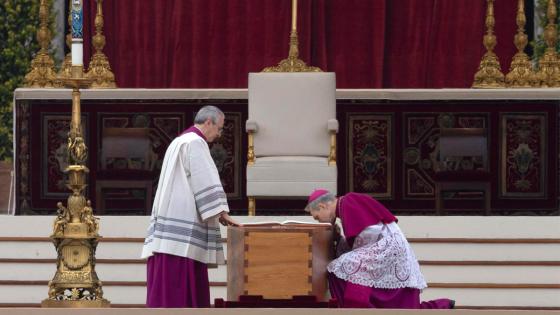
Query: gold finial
x=42 y=74
x=66 y=69
x=99 y=67
x=548 y=74
x=521 y=73
x=292 y=63
x=489 y=74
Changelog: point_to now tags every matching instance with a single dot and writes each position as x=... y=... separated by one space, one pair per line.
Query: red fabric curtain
x=368 y=43
x=438 y=43
x=349 y=38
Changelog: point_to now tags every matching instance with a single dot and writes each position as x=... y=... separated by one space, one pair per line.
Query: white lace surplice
x=381 y=258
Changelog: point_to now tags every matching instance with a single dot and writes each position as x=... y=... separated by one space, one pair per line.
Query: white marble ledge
x=136 y=94
x=450 y=94
x=372 y=94
x=496 y=227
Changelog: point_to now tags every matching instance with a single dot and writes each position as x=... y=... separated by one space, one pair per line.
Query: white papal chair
x=292 y=130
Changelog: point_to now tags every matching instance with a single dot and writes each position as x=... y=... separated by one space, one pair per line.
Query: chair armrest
x=251 y=126
x=332 y=125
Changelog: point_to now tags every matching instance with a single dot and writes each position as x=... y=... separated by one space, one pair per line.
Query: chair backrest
x=292 y=111
x=127 y=143
x=463 y=142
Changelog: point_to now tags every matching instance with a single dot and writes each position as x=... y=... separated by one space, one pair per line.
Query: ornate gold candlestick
x=489 y=74
x=548 y=74
x=42 y=74
x=99 y=67
x=521 y=73
x=292 y=63
x=75 y=229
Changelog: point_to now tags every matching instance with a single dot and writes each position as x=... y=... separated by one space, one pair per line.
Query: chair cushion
x=290 y=176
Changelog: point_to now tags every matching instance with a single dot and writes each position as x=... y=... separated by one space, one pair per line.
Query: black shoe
x=451 y=304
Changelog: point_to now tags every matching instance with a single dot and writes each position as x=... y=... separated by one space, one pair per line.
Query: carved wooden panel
x=421 y=147
x=523 y=162
x=41 y=135
x=387 y=148
x=369 y=162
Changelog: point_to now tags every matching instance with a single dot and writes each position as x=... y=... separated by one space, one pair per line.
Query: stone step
x=105 y=271
x=468 y=297
x=482 y=262
x=538 y=250
x=115 y=294
x=434 y=271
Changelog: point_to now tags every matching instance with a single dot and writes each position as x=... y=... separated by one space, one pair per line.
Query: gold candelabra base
x=76 y=304
x=548 y=74
x=521 y=74
x=100 y=72
x=43 y=73
x=75 y=237
x=65 y=71
x=489 y=75
x=292 y=63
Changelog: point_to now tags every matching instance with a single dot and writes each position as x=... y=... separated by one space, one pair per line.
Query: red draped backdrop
x=368 y=43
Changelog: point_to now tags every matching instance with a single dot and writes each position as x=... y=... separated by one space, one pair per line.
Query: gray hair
x=326 y=198
x=208 y=112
